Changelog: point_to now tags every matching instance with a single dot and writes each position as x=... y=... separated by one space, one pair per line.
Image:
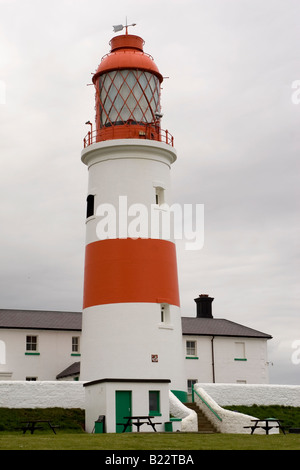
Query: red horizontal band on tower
x=130 y=270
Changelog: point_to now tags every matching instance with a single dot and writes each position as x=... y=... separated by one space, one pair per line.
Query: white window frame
x=32 y=346
x=165 y=316
x=75 y=344
x=240 y=351
x=191 y=351
x=190 y=383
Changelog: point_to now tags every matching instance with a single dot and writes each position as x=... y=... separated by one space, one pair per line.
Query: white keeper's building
x=46 y=345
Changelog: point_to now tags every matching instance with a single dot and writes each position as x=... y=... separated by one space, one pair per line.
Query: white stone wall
x=22 y=394
x=66 y=394
x=179 y=410
x=253 y=394
x=225 y=421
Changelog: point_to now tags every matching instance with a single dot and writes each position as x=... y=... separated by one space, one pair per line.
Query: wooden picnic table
x=33 y=424
x=267 y=424
x=138 y=421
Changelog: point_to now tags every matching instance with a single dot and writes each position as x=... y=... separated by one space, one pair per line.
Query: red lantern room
x=127 y=84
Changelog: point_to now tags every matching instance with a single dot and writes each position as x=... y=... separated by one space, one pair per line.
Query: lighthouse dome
x=127 y=53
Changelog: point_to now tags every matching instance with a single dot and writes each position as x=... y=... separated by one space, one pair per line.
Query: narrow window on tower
x=90 y=204
x=164 y=313
x=159 y=195
x=165 y=317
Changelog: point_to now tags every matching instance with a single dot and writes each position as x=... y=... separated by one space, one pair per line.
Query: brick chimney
x=204 y=309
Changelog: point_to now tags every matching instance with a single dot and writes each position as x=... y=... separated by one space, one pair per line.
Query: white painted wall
x=122 y=337
x=126 y=167
x=100 y=400
x=226 y=366
x=54 y=348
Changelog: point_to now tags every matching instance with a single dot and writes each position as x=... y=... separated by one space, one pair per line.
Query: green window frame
x=154 y=403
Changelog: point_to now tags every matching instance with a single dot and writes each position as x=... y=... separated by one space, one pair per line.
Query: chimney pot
x=204 y=307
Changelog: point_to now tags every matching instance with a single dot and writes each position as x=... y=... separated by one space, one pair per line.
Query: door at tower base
x=134 y=339
x=116 y=398
x=123 y=406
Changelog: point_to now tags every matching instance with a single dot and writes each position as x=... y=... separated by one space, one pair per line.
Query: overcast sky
x=228 y=101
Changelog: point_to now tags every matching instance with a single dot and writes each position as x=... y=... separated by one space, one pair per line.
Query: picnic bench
x=33 y=424
x=266 y=424
x=138 y=421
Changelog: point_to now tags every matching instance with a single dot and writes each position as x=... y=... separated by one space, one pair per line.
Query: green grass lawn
x=44 y=440
x=71 y=435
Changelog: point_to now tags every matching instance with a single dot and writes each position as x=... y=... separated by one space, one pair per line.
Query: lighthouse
x=131 y=327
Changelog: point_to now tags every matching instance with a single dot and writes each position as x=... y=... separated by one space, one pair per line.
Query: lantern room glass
x=128 y=95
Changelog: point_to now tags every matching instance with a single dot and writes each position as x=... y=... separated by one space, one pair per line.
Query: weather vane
x=119 y=27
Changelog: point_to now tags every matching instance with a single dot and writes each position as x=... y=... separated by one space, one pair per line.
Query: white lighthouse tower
x=131 y=331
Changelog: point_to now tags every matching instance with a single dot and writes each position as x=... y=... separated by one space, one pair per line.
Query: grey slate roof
x=40 y=320
x=73 y=369
x=218 y=327
x=52 y=320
